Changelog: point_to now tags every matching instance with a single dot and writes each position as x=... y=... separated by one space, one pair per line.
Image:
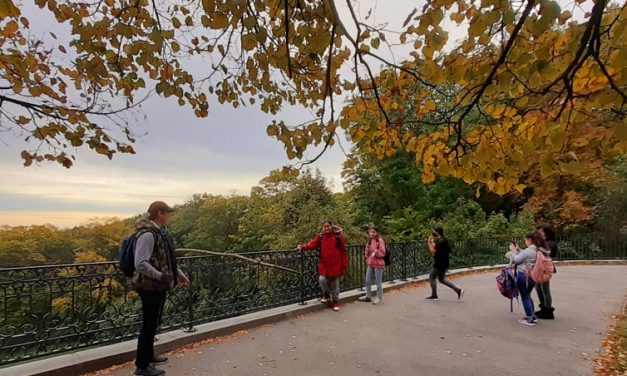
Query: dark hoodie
x=551 y=241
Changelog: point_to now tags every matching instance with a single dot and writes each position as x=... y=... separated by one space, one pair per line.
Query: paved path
x=409 y=336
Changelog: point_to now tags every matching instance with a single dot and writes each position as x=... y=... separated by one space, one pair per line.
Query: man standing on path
x=156 y=272
x=441 y=250
x=332 y=264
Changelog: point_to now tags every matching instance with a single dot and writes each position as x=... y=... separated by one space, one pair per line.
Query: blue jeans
x=378 y=276
x=525 y=287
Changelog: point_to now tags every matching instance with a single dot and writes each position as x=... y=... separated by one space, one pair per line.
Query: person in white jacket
x=524 y=261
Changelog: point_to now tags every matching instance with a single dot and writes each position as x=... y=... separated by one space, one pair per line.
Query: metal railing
x=46 y=310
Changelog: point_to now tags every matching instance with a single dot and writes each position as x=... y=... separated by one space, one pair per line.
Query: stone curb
x=94 y=359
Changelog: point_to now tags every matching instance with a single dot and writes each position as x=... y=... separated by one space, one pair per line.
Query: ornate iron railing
x=45 y=310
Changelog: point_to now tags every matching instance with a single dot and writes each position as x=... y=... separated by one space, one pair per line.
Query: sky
x=178 y=155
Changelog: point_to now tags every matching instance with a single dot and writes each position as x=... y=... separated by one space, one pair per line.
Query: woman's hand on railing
x=183 y=281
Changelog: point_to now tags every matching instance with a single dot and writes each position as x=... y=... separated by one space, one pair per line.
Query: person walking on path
x=441 y=250
x=332 y=263
x=524 y=261
x=374 y=253
x=545 y=299
x=156 y=272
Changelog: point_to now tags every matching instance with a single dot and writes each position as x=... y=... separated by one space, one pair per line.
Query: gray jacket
x=524 y=260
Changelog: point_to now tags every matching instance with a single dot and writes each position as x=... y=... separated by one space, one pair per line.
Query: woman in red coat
x=332 y=264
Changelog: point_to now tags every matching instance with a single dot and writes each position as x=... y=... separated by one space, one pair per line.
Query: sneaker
x=377 y=301
x=149 y=371
x=460 y=294
x=324 y=299
x=526 y=322
x=534 y=319
x=432 y=298
x=335 y=306
x=364 y=299
x=158 y=360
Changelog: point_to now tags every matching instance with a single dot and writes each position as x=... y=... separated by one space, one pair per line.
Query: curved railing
x=45 y=310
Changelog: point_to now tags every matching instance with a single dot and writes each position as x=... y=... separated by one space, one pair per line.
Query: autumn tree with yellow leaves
x=526 y=83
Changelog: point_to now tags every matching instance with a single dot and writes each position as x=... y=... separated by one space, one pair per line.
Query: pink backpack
x=543 y=269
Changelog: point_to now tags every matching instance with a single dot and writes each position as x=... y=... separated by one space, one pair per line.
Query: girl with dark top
x=544 y=289
x=441 y=250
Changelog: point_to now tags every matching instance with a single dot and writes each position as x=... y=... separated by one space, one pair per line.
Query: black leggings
x=439 y=274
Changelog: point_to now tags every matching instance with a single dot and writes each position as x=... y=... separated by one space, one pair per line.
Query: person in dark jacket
x=546 y=311
x=332 y=264
x=156 y=272
x=441 y=250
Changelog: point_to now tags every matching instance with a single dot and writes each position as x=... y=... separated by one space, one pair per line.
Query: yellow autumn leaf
x=7 y=9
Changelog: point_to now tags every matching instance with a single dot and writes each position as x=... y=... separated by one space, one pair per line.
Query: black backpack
x=126 y=254
x=388 y=256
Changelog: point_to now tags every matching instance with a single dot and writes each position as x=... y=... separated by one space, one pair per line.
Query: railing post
x=404 y=266
x=190 y=299
x=302 y=277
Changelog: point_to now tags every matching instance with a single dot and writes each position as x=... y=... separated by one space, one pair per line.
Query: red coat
x=333 y=262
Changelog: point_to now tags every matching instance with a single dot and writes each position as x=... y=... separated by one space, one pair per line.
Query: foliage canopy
x=528 y=80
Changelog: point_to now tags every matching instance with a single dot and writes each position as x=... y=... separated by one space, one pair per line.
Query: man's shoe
x=364 y=299
x=335 y=306
x=432 y=298
x=149 y=371
x=377 y=301
x=158 y=360
x=324 y=299
x=460 y=294
x=541 y=311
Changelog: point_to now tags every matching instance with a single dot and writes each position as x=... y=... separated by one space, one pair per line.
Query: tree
x=287 y=210
x=100 y=238
x=527 y=67
x=209 y=222
x=387 y=187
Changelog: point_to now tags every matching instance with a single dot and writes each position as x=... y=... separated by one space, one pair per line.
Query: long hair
x=549 y=233
x=536 y=239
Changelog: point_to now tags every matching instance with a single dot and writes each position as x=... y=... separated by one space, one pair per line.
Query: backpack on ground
x=126 y=254
x=506 y=283
x=543 y=269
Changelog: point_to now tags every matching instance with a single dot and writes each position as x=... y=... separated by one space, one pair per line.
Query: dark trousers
x=439 y=274
x=152 y=306
x=544 y=294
